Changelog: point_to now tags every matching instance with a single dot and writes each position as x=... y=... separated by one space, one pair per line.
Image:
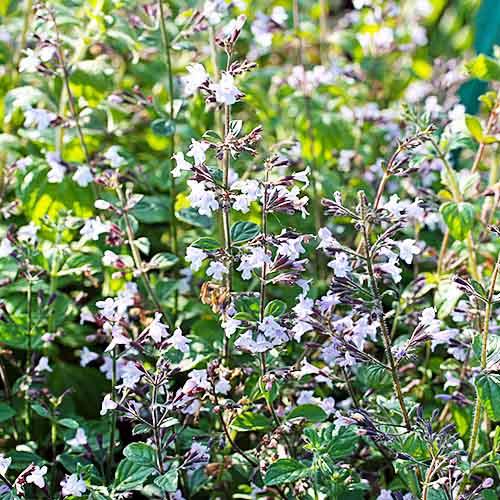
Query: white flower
x=36 y=476
x=222 y=386
x=43 y=365
x=181 y=164
x=230 y=326
x=57 y=170
x=130 y=375
x=117 y=336
x=197 y=151
x=80 y=438
x=93 y=228
x=73 y=485
x=107 y=405
x=178 y=341
x=303 y=176
x=30 y=62
x=157 y=330
x=102 y=204
x=195 y=256
x=326 y=239
x=391 y=268
x=407 y=249
x=202 y=199
x=83 y=176
x=340 y=265
x=28 y=233
x=385 y=495
x=6 y=248
x=217 y=270
x=39 y=118
x=195 y=78
x=114 y=158
x=4 y=464
x=225 y=91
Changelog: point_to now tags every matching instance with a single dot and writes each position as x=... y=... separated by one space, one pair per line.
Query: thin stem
x=226 y=215
x=263 y=277
x=492 y=119
x=28 y=356
x=111 y=451
x=385 y=332
x=484 y=358
x=168 y=64
x=137 y=256
x=71 y=99
x=156 y=429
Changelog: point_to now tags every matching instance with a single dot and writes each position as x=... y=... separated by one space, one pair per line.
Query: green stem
x=137 y=256
x=379 y=309
x=484 y=358
x=226 y=217
x=28 y=357
x=112 y=423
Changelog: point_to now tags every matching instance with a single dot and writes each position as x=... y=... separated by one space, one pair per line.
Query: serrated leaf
x=140 y=453
x=488 y=389
x=152 y=209
x=168 y=482
x=285 y=471
x=130 y=475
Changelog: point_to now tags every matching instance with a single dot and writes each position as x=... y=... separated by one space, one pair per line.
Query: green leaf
x=140 y=453
x=275 y=308
x=40 y=410
x=459 y=217
x=192 y=217
x=475 y=127
x=205 y=243
x=488 y=389
x=310 y=412
x=163 y=127
x=69 y=423
x=285 y=471
x=163 y=260
x=152 y=210
x=484 y=68
x=168 y=482
x=249 y=421
x=130 y=475
x=6 y=412
x=244 y=231
x=95 y=73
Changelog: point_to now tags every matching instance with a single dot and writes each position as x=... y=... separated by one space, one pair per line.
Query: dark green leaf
x=275 y=308
x=130 y=475
x=249 y=421
x=140 y=453
x=488 y=389
x=285 y=471
x=163 y=127
x=244 y=231
x=310 y=412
